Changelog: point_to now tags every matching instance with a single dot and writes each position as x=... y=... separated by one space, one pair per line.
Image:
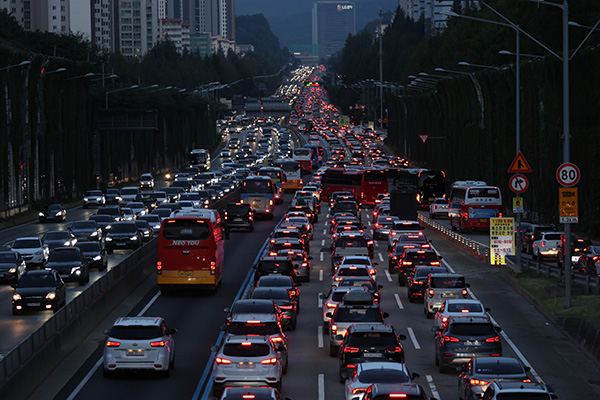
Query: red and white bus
x=341 y=180
x=190 y=252
x=374 y=182
x=471 y=204
x=304 y=156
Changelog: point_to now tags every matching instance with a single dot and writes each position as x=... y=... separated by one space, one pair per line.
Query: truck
x=403 y=203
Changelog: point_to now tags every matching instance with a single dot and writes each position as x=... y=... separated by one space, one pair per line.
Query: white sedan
x=375 y=372
x=459 y=307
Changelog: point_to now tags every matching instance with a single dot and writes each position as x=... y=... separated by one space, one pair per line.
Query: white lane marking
x=322 y=242
x=388 y=276
x=398 y=301
x=321 y=256
x=326 y=221
x=91 y=372
x=376 y=244
x=369 y=223
x=321 y=387
x=434 y=392
x=321 y=275
x=411 y=333
x=327 y=216
x=320 y=336
x=320 y=302
x=380 y=257
x=324 y=231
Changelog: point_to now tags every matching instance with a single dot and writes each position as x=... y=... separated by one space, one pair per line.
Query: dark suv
x=274 y=266
x=462 y=338
x=369 y=342
x=417 y=281
x=578 y=246
x=239 y=215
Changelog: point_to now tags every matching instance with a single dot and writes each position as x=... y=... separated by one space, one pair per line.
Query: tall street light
x=117 y=90
x=510 y=53
x=468 y=64
x=380 y=70
x=21 y=64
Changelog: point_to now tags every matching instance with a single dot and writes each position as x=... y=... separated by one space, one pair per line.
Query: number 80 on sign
x=568 y=174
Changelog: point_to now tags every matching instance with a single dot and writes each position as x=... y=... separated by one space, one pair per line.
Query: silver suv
x=441 y=287
x=518 y=390
x=136 y=343
x=246 y=361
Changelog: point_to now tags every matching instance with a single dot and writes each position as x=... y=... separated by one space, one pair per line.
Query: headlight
x=99 y=199
x=16 y=296
x=97 y=258
x=94 y=234
x=133 y=238
x=37 y=253
x=108 y=239
x=59 y=213
x=67 y=243
x=51 y=296
x=107 y=227
x=41 y=214
x=85 y=199
x=12 y=270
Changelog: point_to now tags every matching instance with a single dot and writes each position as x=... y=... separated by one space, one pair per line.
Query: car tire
x=278 y=385
x=284 y=368
x=82 y=280
x=166 y=373
x=107 y=374
x=16 y=312
x=443 y=369
x=410 y=297
x=251 y=229
x=293 y=323
x=55 y=308
x=436 y=359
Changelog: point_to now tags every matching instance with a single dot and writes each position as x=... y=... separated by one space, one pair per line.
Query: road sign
x=568 y=205
x=502 y=239
x=518 y=183
x=518 y=205
x=568 y=174
x=424 y=138
x=519 y=164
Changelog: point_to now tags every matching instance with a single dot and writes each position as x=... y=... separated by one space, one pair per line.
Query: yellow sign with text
x=502 y=239
x=568 y=205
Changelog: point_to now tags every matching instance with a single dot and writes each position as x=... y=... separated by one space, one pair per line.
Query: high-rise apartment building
x=136 y=26
x=102 y=26
x=332 y=22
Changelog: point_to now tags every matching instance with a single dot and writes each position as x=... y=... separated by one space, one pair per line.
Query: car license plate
x=373 y=355
x=34 y=304
x=185 y=273
x=135 y=352
x=120 y=244
x=237 y=219
x=444 y=295
x=246 y=365
x=473 y=343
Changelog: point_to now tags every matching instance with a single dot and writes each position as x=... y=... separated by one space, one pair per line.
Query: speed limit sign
x=568 y=174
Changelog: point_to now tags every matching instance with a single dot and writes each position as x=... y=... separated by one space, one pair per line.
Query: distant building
x=332 y=22
x=244 y=49
x=220 y=43
x=200 y=43
x=306 y=58
x=102 y=35
x=431 y=11
x=176 y=31
x=136 y=27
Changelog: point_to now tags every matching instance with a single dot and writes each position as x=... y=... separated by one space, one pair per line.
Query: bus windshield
x=483 y=193
x=186 y=229
x=290 y=166
x=198 y=158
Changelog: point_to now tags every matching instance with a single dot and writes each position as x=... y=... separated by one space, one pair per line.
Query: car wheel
x=284 y=368
x=85 y=206
x=251 y=229
x=293 y=324
x=452 y=224
x=278 y=385
x=107 y=374
x=55 y=308
x=333 y=350
x=16 y=312
x=436 y=359
x=443 y=368
x=166 y=373
x=82 y=280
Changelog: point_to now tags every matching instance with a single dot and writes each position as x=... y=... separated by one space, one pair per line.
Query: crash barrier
x=25 y=367
x=476 y=249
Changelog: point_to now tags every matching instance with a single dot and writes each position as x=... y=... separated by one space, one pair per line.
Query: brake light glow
x=465 y=292
x=434 y=263
x=397 y=396
x=351 y=349
x=334 y=328
x=476 y=382
x=331 y=305
x=269 y=361
x=159 y=267
x=213 y=267
x=396 y=349
x=246 y=343
x=253 y=321
x=493 y=339
x=248 y=396
x=158 y=344
x=449 y=339
x=112 y=344
x=431 y=292
x=220 y=360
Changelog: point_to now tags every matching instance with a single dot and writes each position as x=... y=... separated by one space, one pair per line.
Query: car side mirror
x=402 y=337
x=487 y=309
x=321 y=296
x=430 y=241
x=173 y=330
x=498 y=329
x=254 y=266
x=376 y=264
x=344 y=375
x=414 y=375
x=214 y=349
x=329 y=314
x=299 y=284
x=310 y=257
x=526 y=368
x=440 y=257
x=339 y=337
x=459 y=368
x=435 y=329
x=107 y=331
x=468 y=285
x=385 y=315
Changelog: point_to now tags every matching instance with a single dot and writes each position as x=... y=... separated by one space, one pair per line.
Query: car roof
x=137 y=321
x=389 y=388
x=246 y=338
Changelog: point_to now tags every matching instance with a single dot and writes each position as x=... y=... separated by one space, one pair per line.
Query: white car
x=129 y=193
x=146 y=181
x=32 y=249
x=138 y=343
x=367 y=373
x=225 y=153
x=547 y=245
x=455 y=307
x=439 y=207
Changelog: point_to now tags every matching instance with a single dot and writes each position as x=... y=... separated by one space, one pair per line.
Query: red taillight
x=286 y=307
x=394 y=258
x=406 y=263
x=158 y=344
x=434 y=263
x=248 y=396
x=292 y=292
x=277 y=339
x=334 y=328
x=396 y=349
x=159 y=267
x=220 y=360
x=397 y=396
x=112 y=344
x=426 y=246
x=213 y=267
x=449 y=339
x=377 y=225
x=331 y=305
x=431 y=292
x=476 y=382
x=270 y=202
x=269 y=361
x=526 y=380
x=493 y=339
x=465 y=292
x=351 y=349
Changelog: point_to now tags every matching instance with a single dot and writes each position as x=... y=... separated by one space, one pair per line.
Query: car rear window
x=275 y=281
x=421 y=257
x=353 y=272
x=240 y=350
x=135 y=332
x=275 y=266
x=383 y=376
x=553 y=236
x=271 y=294
x=447 y=282
x=351 y=242
x=354 y=314
x=269 y=328
x=424 y=272
x=499 y=368
x=185 y=229
x=368 y=339
x=412 y=239
x=458 y=307
x=472 y=329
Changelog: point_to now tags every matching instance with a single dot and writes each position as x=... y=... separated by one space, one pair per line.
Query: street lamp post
x=117 y=90
x=21 y=64
x=468 y=64
x=380 y=70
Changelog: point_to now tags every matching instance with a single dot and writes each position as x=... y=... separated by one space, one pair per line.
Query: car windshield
x=123 y=228
x=62 y=256
x=246 y=350
x=7 y=258
x=26 y=244
x=499 y=368
x=370 y=314
x=132 y=332
x=56 y=236
x=243 y=328
x=36 y=280
x=447 y=282
x=88 y=246
x=472 y=329
x=383 y=376
x=83 y=225
x=135 y=205
x=54 y=208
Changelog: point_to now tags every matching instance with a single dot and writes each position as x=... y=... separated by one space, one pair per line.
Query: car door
x=60 y=288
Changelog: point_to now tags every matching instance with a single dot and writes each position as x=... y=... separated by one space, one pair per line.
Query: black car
x=53 y=213
x=39 y=290
x=12 y=266
x=86 y=231
x=54 y=239
x=149 y=200
x=103 y=222
x=462 y=338
x=274 y=266
x=95 y=254
x=113 y=196
x=282 y=281
x=369 y=342
x=239 y=215
x=123 y=235
x=114 y=213
x=282 y=297
x=153 y=221
x=417 y=281
x=363 y=281
x=394 y=261
x=145 y=230
x=70 y=264
x=587 y=261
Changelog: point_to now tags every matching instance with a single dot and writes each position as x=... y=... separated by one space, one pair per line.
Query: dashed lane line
x=413 y=338
x=398 y=301
x=380 y=257
x=320 y=336
x=320 y=301
x=434 y=391
x=321 y=275
x=388 y=276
